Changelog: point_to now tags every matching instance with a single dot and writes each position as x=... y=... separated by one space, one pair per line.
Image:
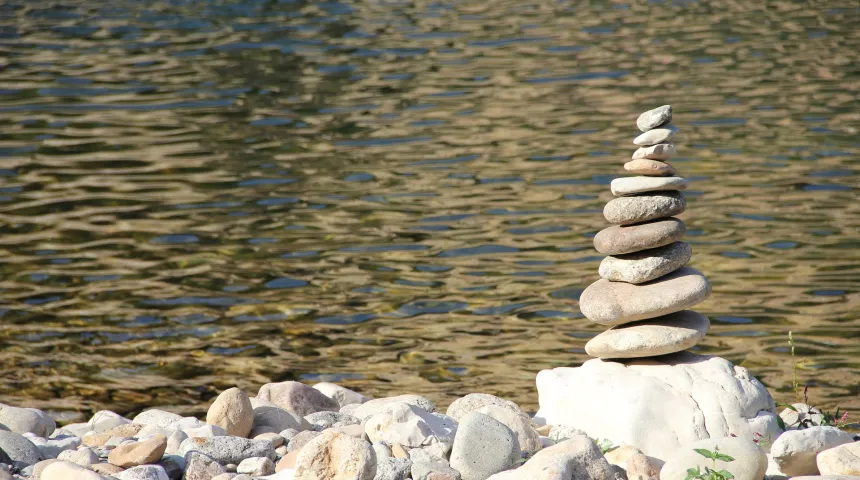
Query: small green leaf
x=704 y=452
x=790 y=407
x=723 y=457
x=780 y=422
x=725 y=474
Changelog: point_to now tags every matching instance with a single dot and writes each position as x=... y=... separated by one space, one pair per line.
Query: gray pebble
x=654 y=118
x=483 y=446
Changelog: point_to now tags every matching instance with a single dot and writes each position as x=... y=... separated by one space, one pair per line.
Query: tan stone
x=648 y=338
x=289 y=461
x=620 y=455
x=658 y=135
x=126 y=430
x=397 y=451
x=138 y=453
x=106 y=469
x=647 y=265
x=68 y=471
x=643 y=184
x=335 y=456
x=643 y=467
x=618 y=240
x=641 y=208
x=661 y=151
x=653 y=168
x=96 y=440
x=842 y=460
x=233 y=412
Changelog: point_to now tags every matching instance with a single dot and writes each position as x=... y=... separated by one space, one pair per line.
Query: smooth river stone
x=634 y=185
x=656 y=336
x=661 y=151
x=647 y=265
x=619 y=239
x=651 y=168
x=654 y=118
x=615 y=303
x=658 y=135
x=641 y=208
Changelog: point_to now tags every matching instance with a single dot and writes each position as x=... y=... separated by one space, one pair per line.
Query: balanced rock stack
x=645 y=287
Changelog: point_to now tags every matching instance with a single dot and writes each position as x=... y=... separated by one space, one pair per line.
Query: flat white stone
x=795 y=450
x=633 y=185
x=644 y=207
x=656 y=336
x=646 y=265
x=654 y=118
x=660 y=151
x=658 y=135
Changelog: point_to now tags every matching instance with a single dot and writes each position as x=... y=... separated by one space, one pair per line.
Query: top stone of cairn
x=654 y=118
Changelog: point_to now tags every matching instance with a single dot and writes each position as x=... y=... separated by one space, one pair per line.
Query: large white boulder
x=657 y=404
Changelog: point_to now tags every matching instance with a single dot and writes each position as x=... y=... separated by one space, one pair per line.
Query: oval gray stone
x=634 y=185
x=641 y=208
x=619 y=239
x=660 y=151
x=654 y=118
x=658 y=135
x=648 y=338
x=614 y=303
x=652 y=168
x=19 y=449
x=647 y=265
x=483 y=446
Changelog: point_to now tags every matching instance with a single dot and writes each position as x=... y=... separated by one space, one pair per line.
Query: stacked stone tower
x=646 y=289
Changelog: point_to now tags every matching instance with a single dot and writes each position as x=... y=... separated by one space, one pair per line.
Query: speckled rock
x=143 y=472
x=661 y=151
x=519 y=423
x=658 y=135
x=435 y=469
x=297 y=397
x=644 y=207
x=646 y=265
x=577 y=458
x=372 y=406
x=323 y=420
x=795 y=450
x=335 y=456
x=83 y=457
x=654 y=118
x=560 y=433
x=483 y=446
x=342 y=395
x=19 y=449
x=615 y=303
x=472 y=402
x=301 y=439
x=651 y=168
x=411 y=427
x=199 y=466
x=841 y=460
x=228 y=449
x=233 y=412
x=750 y=462
x=156 y=417
x=256 y=466
x=393 y=469
x=634 y=185
x=21 y=420
x=618 y=240
x=647 y=338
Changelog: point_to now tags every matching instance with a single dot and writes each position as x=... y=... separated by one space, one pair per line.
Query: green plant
x=605 y=445
x=710 y=473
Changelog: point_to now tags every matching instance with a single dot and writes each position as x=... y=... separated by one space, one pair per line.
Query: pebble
x=651 y=168
x=343 y=396
x=393 y=469
x=104 y=420
x=519 y=423
x=83 y=457
x=634 y=185
x=463 y=406
x=382 y=451
x=657 y=135
x=801 y=413
x=654 y=118
x=795 y=450
x=301 y=439
x=19 y=449
x=125 y=430
x=138 y=453
x=276 y=419
x=646 y=265
x=323 y=420
x=51 y=447
x=68 y=471
x=228 y=449
x=642 y=467
x=256 y=466
x=641 y=208
x=171 y=468
x=335 y=456
x=174 y=441
x=233 y=412
x=288 y=461
x=199 y=466
x=842 y=460
x=647 y=338
x=297 y=397
x=411 y=427
x=370 y=407
x=143 y=472
x=615 y=303
x=577 y=458
x=274 y=438
x=750 y=462
x=105 y=469
x=483 y=446
x=560 y=433
x=618 y=240
x=349 y=409
x=21 y=420
x=660 y=151
x=156 y=417
x=434 y=470
x=36 y=469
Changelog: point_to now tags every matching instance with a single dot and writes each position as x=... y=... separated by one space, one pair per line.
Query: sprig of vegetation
x=605 y=445
x=711 y=473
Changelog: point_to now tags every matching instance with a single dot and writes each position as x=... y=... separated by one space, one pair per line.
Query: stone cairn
x=645 y=287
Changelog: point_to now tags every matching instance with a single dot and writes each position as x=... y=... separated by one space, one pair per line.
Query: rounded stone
x=647 y=265
x=750 y=462
x=371 y=407
x=232 y=411
x=472 y=402
x=641 y=208
x=795 y=451
x=336 y=456
x=19 y=449
x=615 y=303
x=658 y=135
x=297 y=397
x=652 y=168
x=620 y=239
x=62 y=470
x=648 y=338
x=483 y=446
x=138 y=453
x=519 y=423
x=654 y=118
x=660 y=151
x=634 y=185
x=842 y=460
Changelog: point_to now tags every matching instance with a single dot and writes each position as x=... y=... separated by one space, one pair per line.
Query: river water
x=400 y=196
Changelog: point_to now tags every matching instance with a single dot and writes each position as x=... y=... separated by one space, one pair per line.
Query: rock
x=560 y=433
x=19 y=449
x=795 y=450
x=657 y=135
x=288 y=461
x=106 y=420
x=647 y=265
x=335 y=456
x=301 y=439
x=278 y=419
x=660 y=151
x=156 y=417
x=22 y=420
x=256 y=466
x=642 y=467
x=106 y=469
x=48 y=422
x=618 y=240
x=483 y=446
x=393 y=469
x=801 y=414
x=577 y=458
x=274 y=438
x=355 y=430
x=144 y=472
x=83 y=457
x=343 y=396
x=53 y=446
x=233 y=412
x=615 y=303
x=434 y=470
x=620 y=455
x=349 y=409
x=37 y=468
x=397 y=451
x=750 y=462
x=199 y=466
x=138 y=453
x=633 y=185
x=654 y=118
x=643 y=207
x=171 y=467
x=174 y=441
x=288 y=434
x=691 y=397
x=323 y=420
x=76 y=429
x=653 y=168
x=647 y=338
x=68 y=471
x=474 y=401
x=226 y=450
x=411 y=427
x=370 y=407
x=96 y=439
x=841 y=460
x=125 y=430
x=297 y=397
x=519 y=423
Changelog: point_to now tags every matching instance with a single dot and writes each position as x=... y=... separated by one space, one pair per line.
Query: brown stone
x=648 y=338
x=653 y=168
x=289 y=461
x=233 y=412
x=138 y=453
x=126 y=430
x=617 y=240
x=641 y=208
x=96 y=440
x=105 y=469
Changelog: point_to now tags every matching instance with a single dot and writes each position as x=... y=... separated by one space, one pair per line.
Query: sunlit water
x=400 y=196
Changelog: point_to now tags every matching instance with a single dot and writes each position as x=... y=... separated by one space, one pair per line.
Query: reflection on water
x=400 y=196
